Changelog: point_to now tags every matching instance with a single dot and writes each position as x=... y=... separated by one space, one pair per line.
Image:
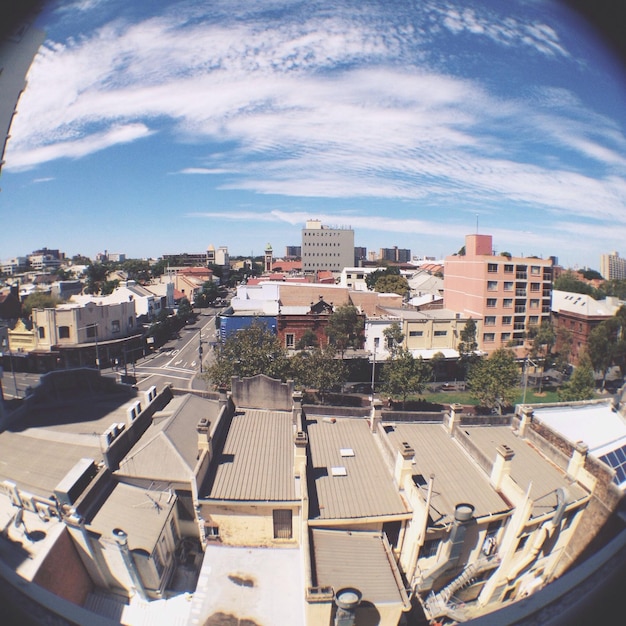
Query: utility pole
x=200 y=351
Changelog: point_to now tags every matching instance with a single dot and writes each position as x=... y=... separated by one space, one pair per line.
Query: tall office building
x=507 y=295
x=326 y=248
x=395 y=255
x=612 y=267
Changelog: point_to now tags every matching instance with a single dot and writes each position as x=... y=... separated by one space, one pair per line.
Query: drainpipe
x=121 y=538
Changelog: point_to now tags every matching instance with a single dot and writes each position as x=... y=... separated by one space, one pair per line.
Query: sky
x=163 y=127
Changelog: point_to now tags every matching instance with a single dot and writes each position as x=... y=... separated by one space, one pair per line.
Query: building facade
x=612 y=267
x=509 y=294
x=326 y=248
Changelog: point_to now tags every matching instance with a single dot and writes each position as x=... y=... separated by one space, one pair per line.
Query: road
x=177 y=363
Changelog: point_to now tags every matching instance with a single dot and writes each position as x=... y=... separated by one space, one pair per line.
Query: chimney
x=526 y=419
x=204 y=438
x=404 y=464
x=454 y=418
x=577 y=462
x=502 y=465
x=300 y=441
x=376 y=415
x=297 y=409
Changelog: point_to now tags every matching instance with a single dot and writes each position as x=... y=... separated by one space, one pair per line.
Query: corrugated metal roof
x=356 y=559
x=528 y=467
x=140 y=513
x=367 y=488
x=257 y=459
x=457 y=478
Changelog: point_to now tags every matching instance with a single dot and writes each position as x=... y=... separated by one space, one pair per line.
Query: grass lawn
x=463 y=397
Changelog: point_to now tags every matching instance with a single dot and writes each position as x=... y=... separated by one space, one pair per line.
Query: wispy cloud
x=317 y=105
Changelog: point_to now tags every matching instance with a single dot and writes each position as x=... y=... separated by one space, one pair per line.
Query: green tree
x=137 y=270
x=613 y=287
x=158 y=268
x=394 y=338
x=79 y=259
x=161 y=329
x=248 y=352
x=308 y=340
x=436 y=363
x=468 y=346
x=569 y=282
x=493 y=381
x=373 y=277
x=564 y=340
x=39 y=300
x=581 y=385
x=404 y=375
x=184 y=311
x=63 y=274
x=97 y=274
x=543 y=339
x=207 y=294
x=392 y=284
x=589 y=274
x=345 y=328
x=318 y=369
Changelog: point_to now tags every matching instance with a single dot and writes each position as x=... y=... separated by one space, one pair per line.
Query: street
x=176 y=363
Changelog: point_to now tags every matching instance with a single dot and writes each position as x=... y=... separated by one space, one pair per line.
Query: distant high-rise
x=395 y=255
x=293 y=252
x=612 y=267
x=326 y=248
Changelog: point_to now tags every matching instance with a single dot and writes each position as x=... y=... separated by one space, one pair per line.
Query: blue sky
x=162 y=127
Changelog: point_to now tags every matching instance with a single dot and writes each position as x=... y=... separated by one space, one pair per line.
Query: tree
x=308 y=340
x=97 y=274
x=581 y=385
x=248 y=352
x=564 y=340
x=345 y=328
x=543 y=339
x=392 y=284
x=569 y=282
x=589 y=274
x=606 y=344
x=437 y=360
x=184 y=311
x=207 y=294
x=39 y=300
x=394 y=338
x=467 y=346
x=318 y=369
x=79 y=259
x=137 y=270
x=373 y=277
x=404 y=375
x=493 y=380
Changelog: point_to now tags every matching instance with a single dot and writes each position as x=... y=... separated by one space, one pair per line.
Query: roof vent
x=338 y=471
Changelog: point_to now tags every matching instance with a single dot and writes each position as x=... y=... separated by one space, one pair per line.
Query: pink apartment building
x=505 y=295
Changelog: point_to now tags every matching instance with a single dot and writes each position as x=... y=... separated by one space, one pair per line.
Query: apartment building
x=326 y=248
x=395 y=255
x=509 y=294
x=612 y=267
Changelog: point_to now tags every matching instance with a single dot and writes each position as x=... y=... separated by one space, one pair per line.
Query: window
x=507 y=303
x=282 y=524
x=492 y=268
x=508 y=269
x=533 y=320
x=115 y=326
x=490 y=320
x=440 y=333
x=430 y=548
x=64 y=332
x=91 y=330
x=535 y=286
x=42 y=332
x=535 y=270
x=290 y=341
x=508 y=286
x=506 y=320
x=416 y=333
x=492 y=285
x=491 y=302
x=489 y=337
x=504 y=337
x=534 y=304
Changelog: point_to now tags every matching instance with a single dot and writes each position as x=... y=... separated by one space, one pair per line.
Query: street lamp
x=200 y=351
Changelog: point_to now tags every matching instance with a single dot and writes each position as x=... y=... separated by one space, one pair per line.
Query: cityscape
x=331 y=328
